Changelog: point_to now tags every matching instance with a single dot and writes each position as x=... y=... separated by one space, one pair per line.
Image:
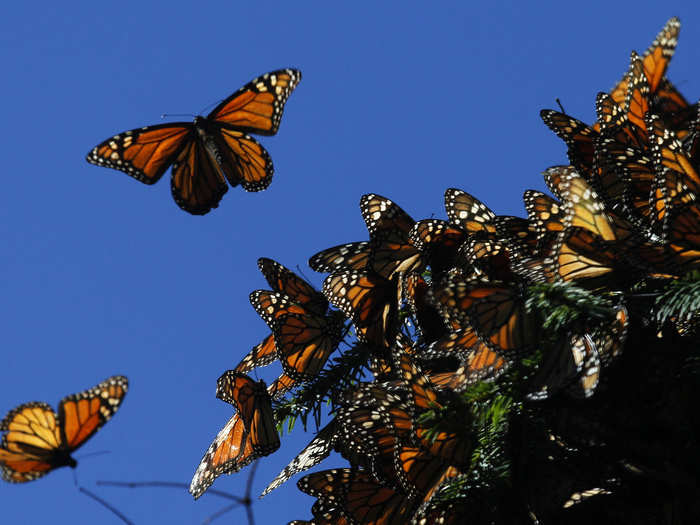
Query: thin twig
x=133 y=484
x=106 y=505
x=220 y=513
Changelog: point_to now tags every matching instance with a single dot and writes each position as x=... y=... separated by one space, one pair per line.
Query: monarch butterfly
x=578 y=136
x=479 y=362
x=283 y=280
x=494 y=310
x=249 y=434
x=305 y=341
x=303 y=338
x=391 y=252
x=439 y=241
x=468 y=213
x=289 y=287
x=356 y=496
x=37 y=440
x=546 y=214
x=350 y=256
x=317 y=450
x=574 y=365
x=369 y=300
x=448 y=445
x=428 y=319
x=637 y=99
x=655 y=59
x=262 y=354
x=677 y=183
x=491 y=258
x=206 y=153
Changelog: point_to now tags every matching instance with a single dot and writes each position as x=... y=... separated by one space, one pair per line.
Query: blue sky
x=103 y=275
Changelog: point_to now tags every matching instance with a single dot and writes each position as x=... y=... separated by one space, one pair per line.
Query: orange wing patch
x=144 y=153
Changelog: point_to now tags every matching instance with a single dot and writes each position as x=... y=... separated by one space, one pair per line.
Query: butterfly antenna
x=106 y=505
x=168 y=115
x=560 y=106
x=170 y=484
x=301 y=272
x=90 y=454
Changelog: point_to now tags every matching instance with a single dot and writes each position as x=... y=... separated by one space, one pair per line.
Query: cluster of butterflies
x=440 y=304
x=437 y=305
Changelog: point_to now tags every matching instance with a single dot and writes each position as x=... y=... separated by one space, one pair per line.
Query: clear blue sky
x=103 y=275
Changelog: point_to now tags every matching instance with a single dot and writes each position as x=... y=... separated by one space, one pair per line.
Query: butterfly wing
x=305 y=341
x=230 y=451
x=350 y=256
x=144 y=153
x=28 y=449
x=368 y=300
x=197 y=184
x=283 y=280
x=467 y=212
x=262 y=354
x=255 y=407
x=258 y=106
x=243 y=160
x=317 y=450
x=82 y=414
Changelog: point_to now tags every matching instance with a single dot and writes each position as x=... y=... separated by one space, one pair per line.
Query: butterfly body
x=210 y=151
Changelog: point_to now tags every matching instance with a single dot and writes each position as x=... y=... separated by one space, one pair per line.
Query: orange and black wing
x=273 y=305
x=357 y=496
x=391 y=252
x=248 y=435
x=258 y=106
x=468 y=213
x=283 y=280
x=255 y=407
x=655 y=60
x=230 y=451
x=32 y=445
x=197 y=184
x=262 y=354
x=305 y=341
x=144 y=153
x=82 y=414
x=243 y=160
x=369 y=300
x=579 y=138
x=495 y=311
x=350 y=256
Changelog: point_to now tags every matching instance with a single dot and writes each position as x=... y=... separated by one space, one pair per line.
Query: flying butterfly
x=209 y=151
x=37 y=440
